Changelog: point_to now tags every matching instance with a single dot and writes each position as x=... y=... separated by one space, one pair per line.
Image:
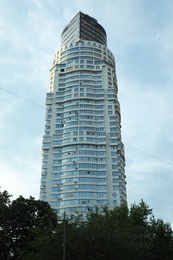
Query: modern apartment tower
x=83 y=156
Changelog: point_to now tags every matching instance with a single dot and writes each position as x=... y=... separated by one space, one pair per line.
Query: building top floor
x=83 y=27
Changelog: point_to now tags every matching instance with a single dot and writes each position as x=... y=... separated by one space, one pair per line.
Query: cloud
x=151 y=180
x=140 y=36
x=20 y=175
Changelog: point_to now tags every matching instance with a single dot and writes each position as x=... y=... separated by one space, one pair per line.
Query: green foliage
x=122 y=233
x=29 y=230
x=21 y=221
x=5 y=240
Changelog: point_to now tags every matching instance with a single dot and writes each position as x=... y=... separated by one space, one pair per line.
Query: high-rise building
x=83 y=155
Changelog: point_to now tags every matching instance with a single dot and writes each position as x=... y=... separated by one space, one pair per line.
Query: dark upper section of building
x=84 y=27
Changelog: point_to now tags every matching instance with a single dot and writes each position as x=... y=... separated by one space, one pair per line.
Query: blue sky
x=140 y=35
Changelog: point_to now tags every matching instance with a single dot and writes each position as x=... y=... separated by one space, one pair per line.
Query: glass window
x=44 y=197
x=114 y=173
x=101 y=194
x=101 y=187
x=112 y=117
x=113 y=134
x=101 y=180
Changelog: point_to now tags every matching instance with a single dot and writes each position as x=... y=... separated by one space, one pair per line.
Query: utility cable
x=149 y=154
x=125 y=144
x=22 y=98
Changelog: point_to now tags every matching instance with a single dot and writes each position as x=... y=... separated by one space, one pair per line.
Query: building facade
x=83 y=163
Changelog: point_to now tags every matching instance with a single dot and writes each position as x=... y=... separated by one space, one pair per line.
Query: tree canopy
x=21 y=221
x=29 y=230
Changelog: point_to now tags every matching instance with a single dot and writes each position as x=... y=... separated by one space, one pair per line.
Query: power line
x=149 y=154
x=22 y=98
x=45 y=108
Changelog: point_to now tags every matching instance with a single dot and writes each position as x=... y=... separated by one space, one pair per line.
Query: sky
x=140 y=36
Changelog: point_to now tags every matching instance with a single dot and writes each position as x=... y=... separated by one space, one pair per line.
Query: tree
x=122 y=233
x=161 y=240
x=5 y=240
x=29 y=230
x=21 y=221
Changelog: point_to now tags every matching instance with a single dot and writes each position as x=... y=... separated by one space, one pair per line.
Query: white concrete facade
x=83 y=155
